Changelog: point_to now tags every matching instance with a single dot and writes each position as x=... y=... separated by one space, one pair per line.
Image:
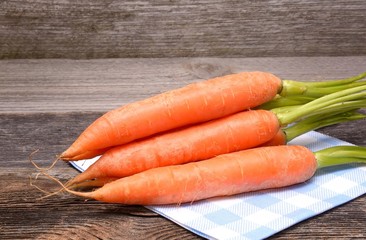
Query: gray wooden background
x=84 y=29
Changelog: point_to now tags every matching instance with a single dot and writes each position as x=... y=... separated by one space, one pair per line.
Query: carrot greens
x=297 y=92
x=339 y=155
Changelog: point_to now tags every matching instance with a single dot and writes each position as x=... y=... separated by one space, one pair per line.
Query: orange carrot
x=89 y=154
x=99 y=152
x=228 y=174
x=197 y=102
x=278 y=139
x=233 y=133
x=224 y=175
x=92 y=184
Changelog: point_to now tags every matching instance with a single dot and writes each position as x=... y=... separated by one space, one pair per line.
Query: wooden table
x=45 y=104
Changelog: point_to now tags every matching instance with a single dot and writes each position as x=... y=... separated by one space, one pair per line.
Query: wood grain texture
x=169 y=28
x=100 y=85
x=45 y=104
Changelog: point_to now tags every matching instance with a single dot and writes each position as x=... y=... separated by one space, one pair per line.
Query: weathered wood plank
x=100 y=85
x=119 y=29
x=23 y=216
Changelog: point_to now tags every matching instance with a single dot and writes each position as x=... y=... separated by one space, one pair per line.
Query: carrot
x=233 y=133
x=197 y=102
x=194 y=103
x=224 y=175
x=92 y=184
x=89 y=154
x=313 y=123
x=279 y=139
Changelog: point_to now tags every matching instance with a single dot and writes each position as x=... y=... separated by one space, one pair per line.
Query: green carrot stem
x=290 y=88
x=326 y=111
x=319 y=92
x=340 y=155
x=298 y=92
x=331 y=83
x=319 y=121
x=286 y=109
x=280 y=101
x=320 y=103
x=338 y=108
x=325 y=107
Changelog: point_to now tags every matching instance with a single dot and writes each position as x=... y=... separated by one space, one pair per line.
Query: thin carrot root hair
x=48 y=194
x=30 y=158
x=63 y=187
x=33 y=185
x=43 y=171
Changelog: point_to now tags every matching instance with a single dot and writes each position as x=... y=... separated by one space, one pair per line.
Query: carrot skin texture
x=228 y=174
x=91 y=184
x=277 y=140
x=232 y=133
x=88 y=154
x=194 y=103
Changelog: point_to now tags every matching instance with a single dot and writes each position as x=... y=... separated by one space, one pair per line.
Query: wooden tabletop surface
x=160 y=28
x=45 y=104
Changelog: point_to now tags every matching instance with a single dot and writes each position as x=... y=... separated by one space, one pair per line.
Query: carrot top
x=321 y=88
x=319 y=121
x=339 y=155
x=298 y=92
x=338 y=101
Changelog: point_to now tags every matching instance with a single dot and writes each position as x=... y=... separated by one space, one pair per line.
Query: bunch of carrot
x=213 y=138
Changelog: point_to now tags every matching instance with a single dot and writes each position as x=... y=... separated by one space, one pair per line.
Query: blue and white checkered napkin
x=258 y=215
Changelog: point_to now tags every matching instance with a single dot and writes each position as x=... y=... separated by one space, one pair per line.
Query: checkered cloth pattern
x=258 y=215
